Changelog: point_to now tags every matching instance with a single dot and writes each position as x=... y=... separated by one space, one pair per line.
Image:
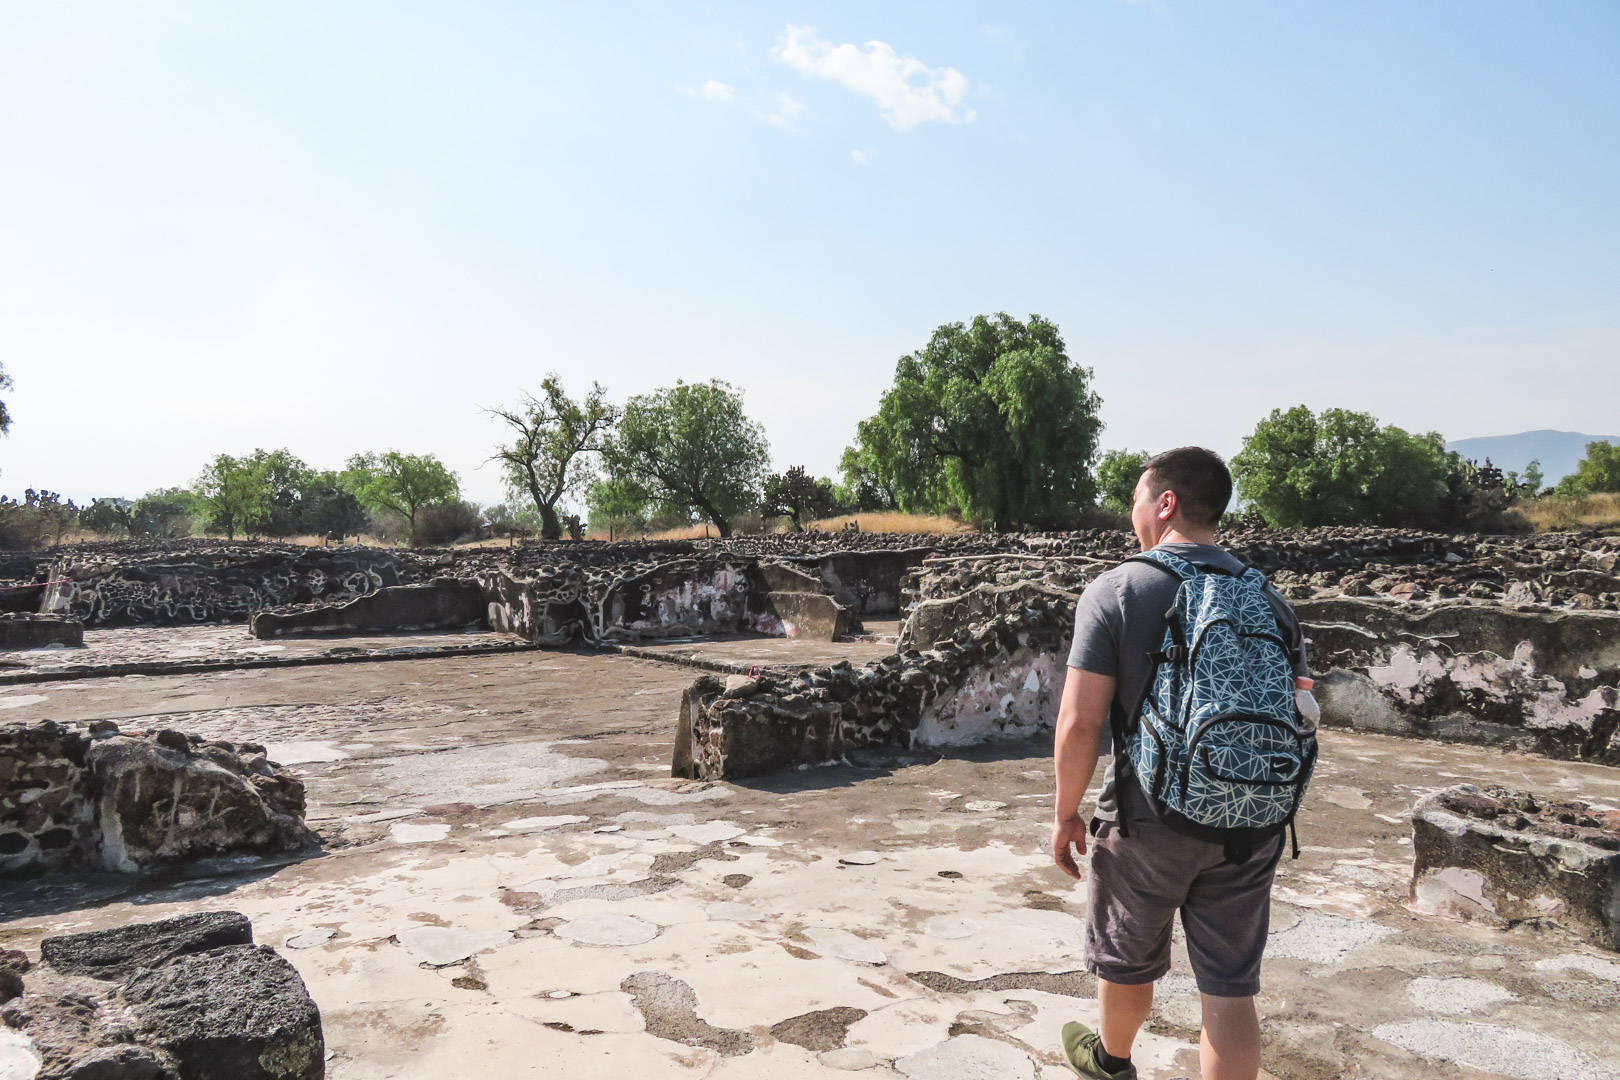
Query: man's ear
x=1167 y=504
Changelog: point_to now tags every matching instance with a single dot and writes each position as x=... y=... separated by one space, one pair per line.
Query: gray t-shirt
x=1120 y=619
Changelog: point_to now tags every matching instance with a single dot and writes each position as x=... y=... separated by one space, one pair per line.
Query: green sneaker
x=1084 y=1050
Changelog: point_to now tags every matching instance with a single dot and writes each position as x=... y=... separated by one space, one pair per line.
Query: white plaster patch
x=860 y=858
x=18 y=1058
x=20 y=700
x=606 y=929
x=843 y=945
x=1457 y=995
x=405 y=833
x=551 y=821
x=1524 y=1055
x=1454 y=891
x=730 y=911
x=710 y=832
x=1347 y=797
x=1324 y=939
x=849 y=1058
x=951 y=927
x=984 y=806
x=1592 y=965
x=309 y=939
x=303 y=753
x=968 y=1057
x=441 y=945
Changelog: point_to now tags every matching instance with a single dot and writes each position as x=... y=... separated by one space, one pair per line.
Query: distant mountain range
x=1558 y=451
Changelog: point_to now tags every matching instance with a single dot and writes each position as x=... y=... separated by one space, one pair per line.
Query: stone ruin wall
x=1410 y=633
x=131 y=802
x=200 y=584
x=992 y=680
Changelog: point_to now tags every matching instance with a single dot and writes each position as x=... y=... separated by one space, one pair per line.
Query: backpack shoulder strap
x=1174 y=565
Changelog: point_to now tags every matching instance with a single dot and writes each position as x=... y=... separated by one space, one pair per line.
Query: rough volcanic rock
x=158 y=805
x=45 y=817
x=180 y=999
x=117 y=953
x=235 y=1013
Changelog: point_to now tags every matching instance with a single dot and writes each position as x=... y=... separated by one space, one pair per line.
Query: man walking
x=1147 y=865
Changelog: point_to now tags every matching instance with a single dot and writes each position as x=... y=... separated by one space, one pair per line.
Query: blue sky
x=341 y=227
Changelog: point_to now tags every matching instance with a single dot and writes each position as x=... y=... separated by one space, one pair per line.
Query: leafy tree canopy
x=617 y=507
x=5 y=413
x=1598 y=471
x=1117 y=474
x=403 y=483
x=691 y=446
x=1301 y=470
x=990 y=419
x=233 y=494
x=797 y=495
x=554 y=437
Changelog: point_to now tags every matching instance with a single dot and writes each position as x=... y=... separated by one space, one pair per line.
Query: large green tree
x=554 y=440
x=690 y=446
x=991 y=419
x=1301 y=469
x=1598 y=471
x=403 y=483
x=233 y=494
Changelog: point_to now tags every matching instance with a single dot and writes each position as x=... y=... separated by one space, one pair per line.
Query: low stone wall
x=24 y=631
x=442 y=604
x=995 y=680
x=134 y=802
x=218 y=585
x=1486 y=673
x=188 y=997
x=1506 y=857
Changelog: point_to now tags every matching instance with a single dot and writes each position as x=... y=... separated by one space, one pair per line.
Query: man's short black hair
x=1200 y=479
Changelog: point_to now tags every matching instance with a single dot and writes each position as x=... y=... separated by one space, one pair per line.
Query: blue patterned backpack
x=1216 y=741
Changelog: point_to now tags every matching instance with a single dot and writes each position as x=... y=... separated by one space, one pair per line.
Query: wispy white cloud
x=786 y=110
x=863 y=157
x=715 y=90
x=908 y=92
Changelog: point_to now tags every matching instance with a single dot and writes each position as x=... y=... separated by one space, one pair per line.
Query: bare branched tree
x=551 y=433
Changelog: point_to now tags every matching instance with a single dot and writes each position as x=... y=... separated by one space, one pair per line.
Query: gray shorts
x=1139 y=882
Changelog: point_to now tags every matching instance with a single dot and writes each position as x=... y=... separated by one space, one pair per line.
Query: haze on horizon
x=345 y=228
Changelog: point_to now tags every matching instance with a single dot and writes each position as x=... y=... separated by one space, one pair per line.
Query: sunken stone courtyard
x=768 y=807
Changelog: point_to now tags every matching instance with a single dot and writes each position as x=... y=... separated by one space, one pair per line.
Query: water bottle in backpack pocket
x=1217 y=742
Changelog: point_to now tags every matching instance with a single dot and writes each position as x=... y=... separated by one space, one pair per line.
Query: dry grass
x=892 y=523
x=1553 y=514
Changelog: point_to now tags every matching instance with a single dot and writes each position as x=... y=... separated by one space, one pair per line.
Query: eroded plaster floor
x=514 y=887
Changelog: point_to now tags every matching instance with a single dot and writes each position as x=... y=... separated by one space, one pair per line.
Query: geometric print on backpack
x=1217 y=739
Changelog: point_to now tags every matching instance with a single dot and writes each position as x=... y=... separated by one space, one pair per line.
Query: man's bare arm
x=1081 y=718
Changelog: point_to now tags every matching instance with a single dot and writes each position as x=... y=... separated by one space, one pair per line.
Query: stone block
x=236 y=1013
x=1505 y=857
x=811 y=615
x=116 y=953
x=20 y=630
